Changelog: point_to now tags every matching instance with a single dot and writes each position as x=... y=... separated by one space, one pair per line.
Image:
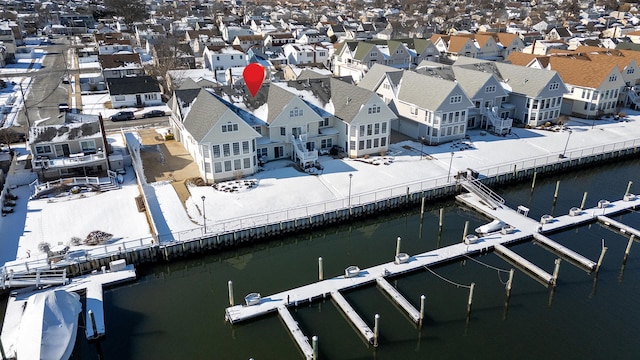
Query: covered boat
x=252 y=299
x=49 y=326
x=495 y=225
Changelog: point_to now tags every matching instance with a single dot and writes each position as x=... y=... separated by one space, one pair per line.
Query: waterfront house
x=73 y=145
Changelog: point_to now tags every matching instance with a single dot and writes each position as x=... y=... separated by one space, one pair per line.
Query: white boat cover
x=49 y=326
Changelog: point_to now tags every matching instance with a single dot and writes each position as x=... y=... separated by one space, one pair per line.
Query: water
x=176 y=311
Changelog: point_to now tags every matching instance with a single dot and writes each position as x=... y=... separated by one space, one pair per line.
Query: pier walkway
x=565 y=252
x=411 y=311
x=620 y=226
x=524 y=226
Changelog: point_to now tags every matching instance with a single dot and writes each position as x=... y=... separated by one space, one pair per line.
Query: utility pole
x=26 y=111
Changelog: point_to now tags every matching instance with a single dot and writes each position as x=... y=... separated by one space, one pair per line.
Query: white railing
x=501 y=126
x=302 y=153
x=37 y=187
x=67 y=161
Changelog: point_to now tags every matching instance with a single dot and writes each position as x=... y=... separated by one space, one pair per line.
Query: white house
x=220 y=59
x=135 y=91
x=306 y=54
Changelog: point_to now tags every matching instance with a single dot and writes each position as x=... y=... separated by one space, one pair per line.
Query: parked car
x=153 y=113
x=63 y=107
x=122 y=116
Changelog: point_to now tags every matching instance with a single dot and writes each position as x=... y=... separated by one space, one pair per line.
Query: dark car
x=63 y=107
x=153 y=113
x=122 y=116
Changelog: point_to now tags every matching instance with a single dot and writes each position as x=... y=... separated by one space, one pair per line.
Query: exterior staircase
x=633 y=96
x=490 y=198
x=302 y=155
x=500 y=126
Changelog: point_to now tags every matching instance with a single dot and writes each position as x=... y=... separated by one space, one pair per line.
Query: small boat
x=495 y=225
x=351 y=271
x=252 y=299
x=402 y=258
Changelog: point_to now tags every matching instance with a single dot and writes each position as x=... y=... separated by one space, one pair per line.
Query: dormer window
x=554 y=86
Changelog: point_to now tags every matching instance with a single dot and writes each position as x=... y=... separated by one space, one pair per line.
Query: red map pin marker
x=253 y=76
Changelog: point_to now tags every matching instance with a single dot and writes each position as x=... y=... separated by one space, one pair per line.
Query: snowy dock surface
x=622 y=227
x=543 y=276
x=413 y=313
x=18 y=300
x=565 y=252
x=351 y=313
x=294 y=329
x=524 y=226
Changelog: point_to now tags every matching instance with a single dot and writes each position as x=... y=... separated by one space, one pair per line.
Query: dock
x=91 y=284
x=296 y=333
x=522 y=228
x=409 y=309
x=350 y=313
x=94 y=311
x=544 y=277
x=565 y=252
x=620 y=226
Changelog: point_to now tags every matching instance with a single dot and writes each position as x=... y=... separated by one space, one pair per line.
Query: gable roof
x=119 y=60
x=424 y=91
x=584 y=73
x=132 y=85
x=202 y=113
x=374 y=76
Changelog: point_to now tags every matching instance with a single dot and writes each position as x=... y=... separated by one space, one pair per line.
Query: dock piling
x=314 y=339
x=533 y=182
x=466 y=228
x=440 y=219
x=628 y=249
x=422 y=297
x=473 y=285
x=604 y=250
x=92 y=319
x=320 y=270
x=398 y=245
x=584 y=199
x=628 y=188
x=510 y=282
x=556 y=270
x=555 y=194
x=230 y=285
x=422 y=208
x=376 y=330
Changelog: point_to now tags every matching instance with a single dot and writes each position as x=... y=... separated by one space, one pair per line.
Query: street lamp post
x=350 y=177
x=450 y=163
x=421 y=146
x=204 y=214
x=562 y=156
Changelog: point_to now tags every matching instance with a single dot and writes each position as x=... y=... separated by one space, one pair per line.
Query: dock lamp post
x=421 y=146
x=450 y=163
x=204 y=214
x=562 y=156
x=350 y=177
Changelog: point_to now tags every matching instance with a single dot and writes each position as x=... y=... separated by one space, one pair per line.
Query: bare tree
x=129 y=10
x=9 y=136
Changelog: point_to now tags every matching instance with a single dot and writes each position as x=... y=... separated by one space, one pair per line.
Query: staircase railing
x=488 y=196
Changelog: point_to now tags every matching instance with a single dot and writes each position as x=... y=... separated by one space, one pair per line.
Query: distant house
x=120 y=65
x=74 y=145
x=247 y=41
x=136 y=91
x=219 y=59
x=306 y=54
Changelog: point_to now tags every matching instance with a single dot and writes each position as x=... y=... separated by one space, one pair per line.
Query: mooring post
x=514 y=170
x=628 y=187
x=314 y=340
x=422 y=208
x=440 y=219
x=510 y=282
x=473 y=285
x=533 y=182
x=604 y=250
x=555 y=194
x=628 y=249
x=94 y=327
x=376 y=330
x=230 y=284
x=320 y=272
x=584 y=199
x=556 y=270
x=466 y=228
x=422 y=297
x=398 y=245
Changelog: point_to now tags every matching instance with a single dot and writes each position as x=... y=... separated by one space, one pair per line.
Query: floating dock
x=565 y=252
x=544 y=277
x=350 y=313
x=399 y=299
x=521 y=228
x=620 y=226
x=296 y=333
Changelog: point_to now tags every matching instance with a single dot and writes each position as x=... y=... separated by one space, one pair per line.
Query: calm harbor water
x=176 y=311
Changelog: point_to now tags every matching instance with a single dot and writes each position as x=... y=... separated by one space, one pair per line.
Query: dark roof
x=132 y=85
x=118 y=60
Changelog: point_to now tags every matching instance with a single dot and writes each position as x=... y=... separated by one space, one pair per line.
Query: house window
x=216 y=151
x=369 y=130
x=386 y=86
x=258 y=129
x=490 y=89
x=150 y=96
x=119 y=98
x=217 y=167
x=376 y=141
x=229 y=127
x=376 y=128
x=43 y=149
x=325 y=143
x=227 y=165
x=613 y=78
x=373 y=110
x=361 y=130
x=456 y=99
x=283 y=131
x=414 y=110
x=383 y=141
x=295 y=112
x=384 y=127
x=554 y=86
x=205 y=151
x=630 y=70
x=237 y=164
x=323 y=123
x=368 y=143
x=207 y=167
x=226 y=150
x=245 y=147
x=247 y=163
x=361 y=145
x=236 y=148
x=262 y=152
x=88 y=145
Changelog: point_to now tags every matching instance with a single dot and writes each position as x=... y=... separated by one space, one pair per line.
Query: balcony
x=73 y=160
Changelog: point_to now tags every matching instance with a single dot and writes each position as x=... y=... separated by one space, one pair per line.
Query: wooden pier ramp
x=544 y=277
x=409 y=309
x=353 y=316
x=565 y=252
x=296 y=333
x=620 y=226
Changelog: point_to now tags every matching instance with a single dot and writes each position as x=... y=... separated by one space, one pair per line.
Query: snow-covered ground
x=283 y=191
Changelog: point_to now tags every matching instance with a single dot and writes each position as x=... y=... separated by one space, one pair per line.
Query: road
x=151 y=122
